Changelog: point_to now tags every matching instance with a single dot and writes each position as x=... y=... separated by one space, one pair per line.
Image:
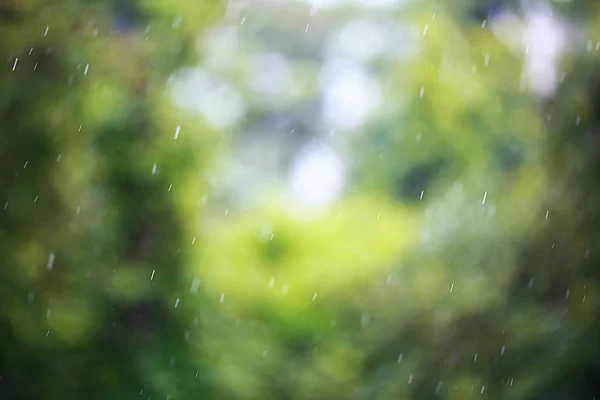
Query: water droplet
x=15 y=64
x=50 y=263
x=438 y=387
x=195 y=285
x=152 y=276
x=177 y=132
x=177 y=302
x=222 y=298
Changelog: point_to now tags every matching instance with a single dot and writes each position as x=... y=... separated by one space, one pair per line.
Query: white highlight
x=317 y=175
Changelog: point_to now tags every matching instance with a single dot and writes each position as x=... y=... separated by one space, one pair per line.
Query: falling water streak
x=50 y=261
x=484 y=198
x=152 y=276
x=222 y=298
x=87 y=67
x=177 y=302
x=177 y=132
x=15 y=64
x=452 y=287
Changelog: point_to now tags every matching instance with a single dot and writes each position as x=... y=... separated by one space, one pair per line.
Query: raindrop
x=177 y=302
x=177 y=132
x=46 y=31
x=271 y=282
x=484 y=198
x=410 y=379
x=484 y=23
x=438 y=387
x=425 y=29
x=195 y=285
x=87 y=67
x=400 y=357
x=486 y=60
x=314 y=297
x=50 y=261
x=194 y=240
x=222 y=298
x=15 y=64
x=422 y=92
x=152 y=276
x=452 y=287
x=154 y=169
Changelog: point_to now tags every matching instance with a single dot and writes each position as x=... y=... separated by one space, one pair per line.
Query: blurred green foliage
x=458 y=263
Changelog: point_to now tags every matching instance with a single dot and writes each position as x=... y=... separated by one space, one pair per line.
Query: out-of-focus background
x=318 y=199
